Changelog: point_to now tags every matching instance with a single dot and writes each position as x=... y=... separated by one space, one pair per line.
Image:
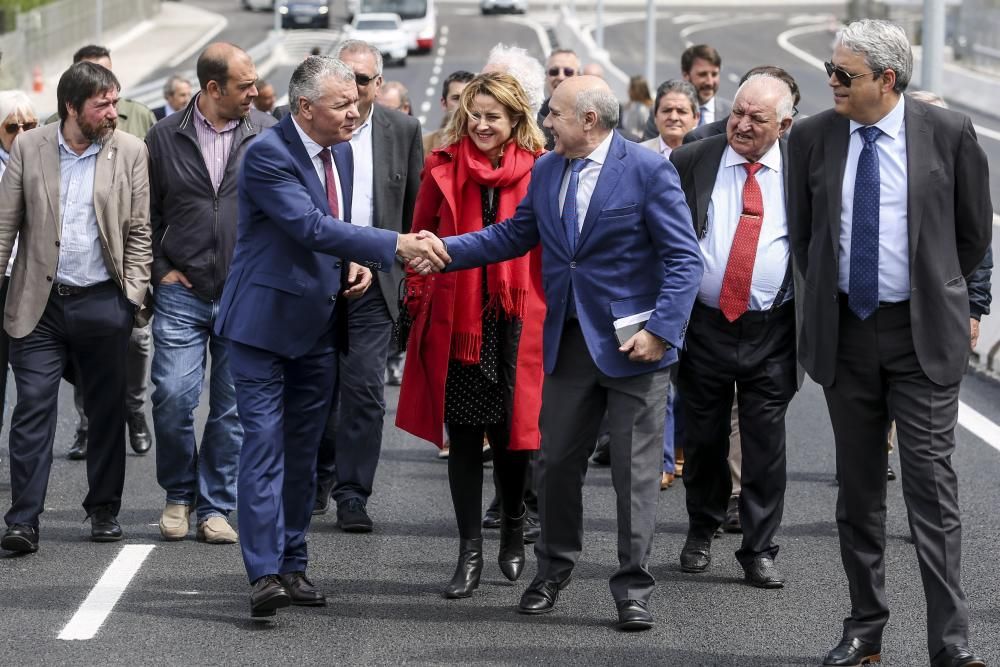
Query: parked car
x=305 y=14
x=384 y=31
x=505 y=6
x=258 y=5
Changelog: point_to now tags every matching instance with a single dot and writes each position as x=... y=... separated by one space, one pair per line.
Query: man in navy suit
x=618 y=241
x=278 y=314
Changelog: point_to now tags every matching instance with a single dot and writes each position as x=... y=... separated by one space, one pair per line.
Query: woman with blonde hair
x=474 y=359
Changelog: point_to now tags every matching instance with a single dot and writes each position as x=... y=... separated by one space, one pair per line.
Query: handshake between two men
x=423 y=252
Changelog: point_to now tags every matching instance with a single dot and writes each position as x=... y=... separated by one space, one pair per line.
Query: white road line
x=434 y=80
x=444 y=30
x=979 y=425
x=429 y=92
x=436 y=69
x=719 y=23
x=442 y=40
x=91 y=615
x=543 y=38
x=425 y=106
x=422 y=120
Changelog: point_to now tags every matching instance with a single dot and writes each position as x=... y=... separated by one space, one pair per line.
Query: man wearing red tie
x=742 y=329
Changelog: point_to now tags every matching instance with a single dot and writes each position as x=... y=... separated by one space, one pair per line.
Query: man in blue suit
x=618 y=241
x=278 y=312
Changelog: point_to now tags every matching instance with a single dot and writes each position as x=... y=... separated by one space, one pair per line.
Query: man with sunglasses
x=388 y=155
x=890 y=210
x=561 y=65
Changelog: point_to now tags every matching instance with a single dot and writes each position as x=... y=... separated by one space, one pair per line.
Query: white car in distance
x=385 y=32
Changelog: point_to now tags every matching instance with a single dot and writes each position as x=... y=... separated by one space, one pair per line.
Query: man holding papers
x=742 y=330
x=617 y=241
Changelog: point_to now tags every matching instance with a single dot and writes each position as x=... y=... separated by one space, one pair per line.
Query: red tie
x=734 y=298
x=331 y=185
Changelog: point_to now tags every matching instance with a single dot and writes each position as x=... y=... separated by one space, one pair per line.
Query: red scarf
x=507 y=282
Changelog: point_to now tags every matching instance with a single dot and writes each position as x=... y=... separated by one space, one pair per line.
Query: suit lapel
x=837 y=140
x=48 y=159
x=104 y=176
x=556 y=174
x=343 y=157
x=298 y=152
x=607 y=181
x=919 y=140
x=705 y=172
x=381 y=157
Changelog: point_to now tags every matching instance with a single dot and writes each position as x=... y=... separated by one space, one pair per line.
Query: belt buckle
x=64 y=290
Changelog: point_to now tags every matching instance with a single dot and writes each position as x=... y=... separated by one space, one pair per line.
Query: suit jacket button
x=572 y=265
x=337 y=265
x=333 y=298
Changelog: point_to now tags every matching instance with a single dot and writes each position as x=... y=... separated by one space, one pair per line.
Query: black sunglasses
x=363 y=79
x=12 y=128
x=567 y=71
x=843 y=76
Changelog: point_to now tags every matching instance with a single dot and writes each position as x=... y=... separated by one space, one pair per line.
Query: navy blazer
x=286 y=270
x=636 y=252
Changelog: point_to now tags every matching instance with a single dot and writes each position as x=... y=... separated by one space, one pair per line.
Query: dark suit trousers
x=878 y=378
x=574 y=400
x=352 y=441
x=756 y=354
x=91 y=331
x=283 y=404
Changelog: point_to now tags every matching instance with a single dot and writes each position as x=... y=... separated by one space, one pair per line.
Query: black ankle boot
x=511 y=556
x=470 y=566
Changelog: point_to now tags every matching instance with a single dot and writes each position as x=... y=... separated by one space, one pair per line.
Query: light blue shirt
x=893 y=234
x=724 y=209
x=588 y=180
x=81 y=262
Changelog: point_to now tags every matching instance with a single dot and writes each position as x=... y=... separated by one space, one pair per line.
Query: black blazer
x=949 y=217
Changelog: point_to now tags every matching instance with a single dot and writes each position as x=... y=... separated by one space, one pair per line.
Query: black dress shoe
x=322 y=503
x=104 y=526
x=491 y=518
x=633 y=615
x=602 y=452
x=763 y=574
x=696 y=554
x=532 y=527
x=540 y=597
x=78 y=452
x=301 y=590
x=955 y=655
x=467 y=572
x=890 y=474
x=138 y=433
x=732 y=522
x=511 y=556
x=352 y=517
x=267 y=595
x=21 y=538
x=853 y=652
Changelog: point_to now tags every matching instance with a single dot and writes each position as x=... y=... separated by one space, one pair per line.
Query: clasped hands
x=423 y=252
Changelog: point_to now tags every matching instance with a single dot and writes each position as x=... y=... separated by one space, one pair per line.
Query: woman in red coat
x=474 y=357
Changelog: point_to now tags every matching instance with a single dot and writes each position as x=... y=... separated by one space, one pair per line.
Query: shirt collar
x=312 y=148
x=890 y=124
x=200 y=117
x=4 y=156
x=664 y=147
x=93 y=149
x=368 y=121
x=600 y=154
x=708 y=104
x=771 y=159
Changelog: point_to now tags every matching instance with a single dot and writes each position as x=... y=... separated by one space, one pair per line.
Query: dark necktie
x=569 y=213
x=734 y=297
x=701 y=114
x=862 y=294
x=331 y=184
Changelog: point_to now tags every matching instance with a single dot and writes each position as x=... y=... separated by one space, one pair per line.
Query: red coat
x=431 y=300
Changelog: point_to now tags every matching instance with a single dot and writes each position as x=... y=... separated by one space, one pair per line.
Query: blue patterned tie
x=569 y=214
x=863 y=295
x=702 y=110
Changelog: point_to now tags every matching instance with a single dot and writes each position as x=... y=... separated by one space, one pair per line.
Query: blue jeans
x=182 y=334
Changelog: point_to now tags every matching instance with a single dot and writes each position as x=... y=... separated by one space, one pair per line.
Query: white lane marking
x=442 y=40
x=441 y=51
x=422 y=120
x=91 y=615
x=719 y=23
x=444 y=30
x=543 y=38
x=979 y=425
x=434 y=80
x=429 y=92
x=436 y=69
x=784 y=41
x=425 y=106
x=733 y=78
x=996 y=220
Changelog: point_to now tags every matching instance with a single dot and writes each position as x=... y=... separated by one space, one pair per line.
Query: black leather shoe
x=104 y=526
x=467 y=572
x=352 y=517
x=890 y=474
x=138 y=433
x=301 y=590
x=540 y=597
x=322 y=503
x=491 y=518
x=954 y=655
x=602 y=452
x=633 y=615
x=763 y=574
x=853 y=652
x=78 y=452
x=732 y=521
x=532 y=528
x=21 y=538
x=696 y=554
x=267 y=595
x=511 y=556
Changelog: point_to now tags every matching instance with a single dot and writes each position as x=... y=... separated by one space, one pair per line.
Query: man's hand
x=175 y=276
x=359 y=279
x=644 y=347
x=424 y=252
x=973 y=332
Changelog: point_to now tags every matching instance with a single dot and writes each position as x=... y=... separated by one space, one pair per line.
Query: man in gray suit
x=889 y=209
x=701 y=66
x=388 y=157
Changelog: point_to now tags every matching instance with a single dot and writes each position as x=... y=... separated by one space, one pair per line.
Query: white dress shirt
x=723 y=218
x=893 y=234
x=588 y=180
x=313 y=150
x=707 y=110
x=363 y=201
x=81 y=262
x=665 y=150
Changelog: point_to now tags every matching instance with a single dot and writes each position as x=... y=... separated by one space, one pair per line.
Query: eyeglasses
x=12 y=128
x=363 y=79
x=567 y=71
x=843 y=76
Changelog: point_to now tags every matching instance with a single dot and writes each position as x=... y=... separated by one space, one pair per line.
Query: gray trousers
x=574 y=399
x=136 y=380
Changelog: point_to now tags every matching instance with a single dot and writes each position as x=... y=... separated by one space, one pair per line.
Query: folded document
x=626 y=327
